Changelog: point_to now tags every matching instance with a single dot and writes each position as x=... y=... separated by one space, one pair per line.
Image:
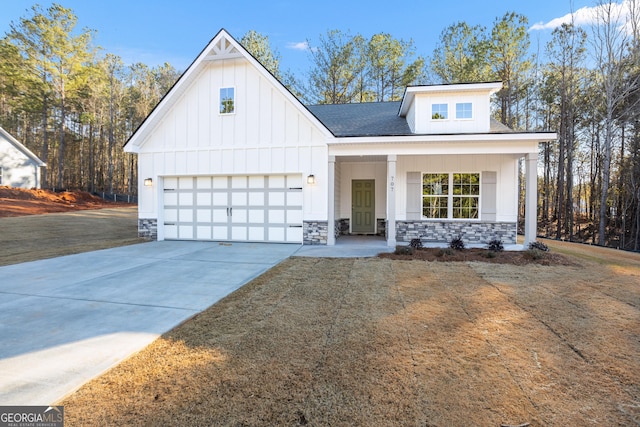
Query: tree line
x=75 y=105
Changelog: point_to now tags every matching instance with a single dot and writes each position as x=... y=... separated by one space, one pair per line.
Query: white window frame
x=433 y=113
x=450 y=196
x=471 y=110
x=220 y=99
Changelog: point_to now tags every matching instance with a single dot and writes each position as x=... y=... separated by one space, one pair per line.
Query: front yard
x=392 y=342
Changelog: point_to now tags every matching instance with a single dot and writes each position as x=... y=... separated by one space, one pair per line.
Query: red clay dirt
x=20 y=201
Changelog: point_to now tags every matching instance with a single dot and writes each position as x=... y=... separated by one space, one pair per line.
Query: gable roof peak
x=222 y=46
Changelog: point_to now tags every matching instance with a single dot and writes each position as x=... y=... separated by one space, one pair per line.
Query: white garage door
x=239 y=208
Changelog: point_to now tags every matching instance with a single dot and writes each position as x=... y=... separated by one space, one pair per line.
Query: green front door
x=363 y=209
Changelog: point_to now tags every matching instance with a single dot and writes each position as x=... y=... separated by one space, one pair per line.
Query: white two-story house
x=229 y=154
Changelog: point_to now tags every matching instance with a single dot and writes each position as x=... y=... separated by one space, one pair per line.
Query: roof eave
x=427 y=138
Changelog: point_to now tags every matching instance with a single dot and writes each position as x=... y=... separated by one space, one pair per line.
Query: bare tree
x=611 y=43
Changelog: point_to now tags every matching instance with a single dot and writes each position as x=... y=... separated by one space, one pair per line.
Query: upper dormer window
x=439 y=111
x=464 y=110
x=227 y=100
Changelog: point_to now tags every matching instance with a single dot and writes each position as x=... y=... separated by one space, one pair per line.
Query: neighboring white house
x=19 y=167
x=230 y=154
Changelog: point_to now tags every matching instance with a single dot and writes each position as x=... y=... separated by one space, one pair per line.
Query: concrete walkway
x=66 y=320
x=348 y=247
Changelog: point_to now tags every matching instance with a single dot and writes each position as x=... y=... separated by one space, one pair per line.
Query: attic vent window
x=439 y=111
x=227 y=100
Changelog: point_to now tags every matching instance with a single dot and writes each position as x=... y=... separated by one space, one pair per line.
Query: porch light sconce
x=311 y=179
x=148 y=182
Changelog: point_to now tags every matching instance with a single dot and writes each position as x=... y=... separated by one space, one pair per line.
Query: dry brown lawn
x=37 y=224
x=33 y=237
x=381 y=342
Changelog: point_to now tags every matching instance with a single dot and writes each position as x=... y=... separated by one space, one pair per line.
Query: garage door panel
x=170 y=199
x=170 y=231
x=171 y=183
x=220 y=182
x=185 y=199
x=257 y=234
x=294 y=181
x=294 y=234
x=220 y=215
x=255 y=208
x=239 y=199
x=276 y=234
x=220 y=199
x=276 y=181
x=256 y=181
x=203 y=199
x=276 y=216
x=220 y=233
x=185 y=215
x=171 y=215
x=238 y=216
x=185 y=183
x=239 y=233
x=294 y=199
x=256 y=199
x=276 y=198
x=185 y=232
x=204 y=232
x=203 y=182
x=256 y=216
x=239 y=181
x=204 y=215
x=294 y=216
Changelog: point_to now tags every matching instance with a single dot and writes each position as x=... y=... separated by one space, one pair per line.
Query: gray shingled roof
x=371 y=119
x=365 y=119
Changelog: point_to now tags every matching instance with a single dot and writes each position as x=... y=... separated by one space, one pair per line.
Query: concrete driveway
x=66 y=320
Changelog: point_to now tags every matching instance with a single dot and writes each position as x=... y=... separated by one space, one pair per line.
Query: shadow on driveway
x=66 y=320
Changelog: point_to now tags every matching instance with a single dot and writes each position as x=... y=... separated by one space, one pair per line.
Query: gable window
x=464 y=110
x=227 y=100
x=439 y=111
x=451 y=195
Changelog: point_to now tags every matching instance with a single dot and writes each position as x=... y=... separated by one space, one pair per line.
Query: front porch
x=395 y=199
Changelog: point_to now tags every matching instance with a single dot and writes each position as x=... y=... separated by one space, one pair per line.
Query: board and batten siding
x=267 y=134
x=424 y=124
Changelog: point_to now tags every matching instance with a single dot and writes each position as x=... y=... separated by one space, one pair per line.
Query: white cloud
x=585 y=16
x=298 y=45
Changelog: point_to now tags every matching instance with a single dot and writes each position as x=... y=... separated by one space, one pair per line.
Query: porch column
x=391 y=200
x=531 y=198
x=331 y=221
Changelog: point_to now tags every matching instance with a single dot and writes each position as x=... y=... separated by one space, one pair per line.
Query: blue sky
x=160 y=31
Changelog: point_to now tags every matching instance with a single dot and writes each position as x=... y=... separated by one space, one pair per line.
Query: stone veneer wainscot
x=444 y=231
x=315 y=232
x=148 y=228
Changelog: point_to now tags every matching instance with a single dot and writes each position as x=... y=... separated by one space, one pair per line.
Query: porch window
x=451 y=195
x=435 y=192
